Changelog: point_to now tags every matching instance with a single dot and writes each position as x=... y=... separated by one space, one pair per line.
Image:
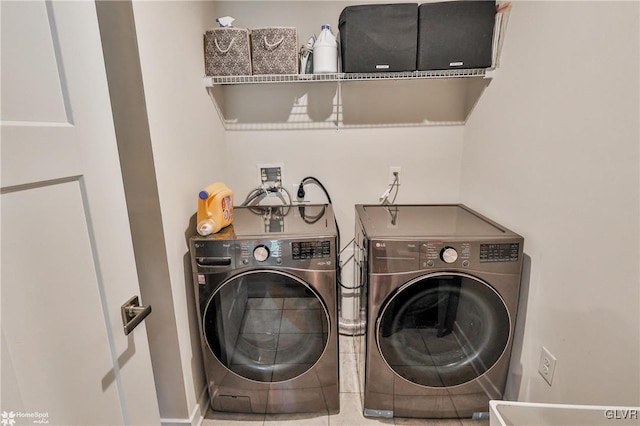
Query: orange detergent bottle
x=215 y=208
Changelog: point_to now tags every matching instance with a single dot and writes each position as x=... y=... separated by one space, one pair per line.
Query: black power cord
x=311 y=219
x=301 y=193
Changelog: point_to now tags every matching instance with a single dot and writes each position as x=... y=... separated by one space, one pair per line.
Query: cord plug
x=301 y=193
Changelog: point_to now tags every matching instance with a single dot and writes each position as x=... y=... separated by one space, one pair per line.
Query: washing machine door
x=443 y=330
x=267 y=325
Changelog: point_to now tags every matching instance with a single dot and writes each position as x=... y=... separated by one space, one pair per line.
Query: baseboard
x=197 y=414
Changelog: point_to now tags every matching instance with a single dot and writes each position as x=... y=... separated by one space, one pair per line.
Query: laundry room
x=545 y=143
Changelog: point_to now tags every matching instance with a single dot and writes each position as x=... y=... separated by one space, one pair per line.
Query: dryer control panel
x=391 y=256
x=488 y=256
x=435 y=251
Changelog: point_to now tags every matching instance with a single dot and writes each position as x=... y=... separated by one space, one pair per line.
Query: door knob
x=133 y=314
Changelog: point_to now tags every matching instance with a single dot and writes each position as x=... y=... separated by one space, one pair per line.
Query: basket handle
x=220 y=48
x=274 y=45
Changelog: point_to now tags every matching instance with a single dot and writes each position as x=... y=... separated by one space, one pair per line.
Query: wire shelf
x=415 y=75
x=211 y=81
x=275 y=78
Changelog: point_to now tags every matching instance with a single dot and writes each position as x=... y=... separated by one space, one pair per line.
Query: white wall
x=353 y=164
x=551 y=151
x=187 y=142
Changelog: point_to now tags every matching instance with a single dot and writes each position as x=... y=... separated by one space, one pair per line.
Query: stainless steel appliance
x=266 y=289
x=440 y=287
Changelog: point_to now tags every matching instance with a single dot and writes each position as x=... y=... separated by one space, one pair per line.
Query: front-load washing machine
x=266 y=289
x=439 y=288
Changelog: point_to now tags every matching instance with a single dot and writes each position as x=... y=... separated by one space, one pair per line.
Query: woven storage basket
x=274 y=50
x=227 y=52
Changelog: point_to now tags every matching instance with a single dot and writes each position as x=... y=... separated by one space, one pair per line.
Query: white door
x=67 y=257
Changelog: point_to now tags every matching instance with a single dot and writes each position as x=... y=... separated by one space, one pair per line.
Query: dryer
x=266 y=291
x=439 y=288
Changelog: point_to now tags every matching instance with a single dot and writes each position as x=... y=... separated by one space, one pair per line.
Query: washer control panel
x=313 y=253
x=499 y=252
x=216 y=256
x=263 y=253
x=310 y=249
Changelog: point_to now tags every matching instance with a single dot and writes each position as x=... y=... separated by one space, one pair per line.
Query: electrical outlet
x=313 y=194
x=270 y=175
x=547 y=365
x=392 y=177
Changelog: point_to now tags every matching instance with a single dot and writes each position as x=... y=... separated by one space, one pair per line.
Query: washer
x=439 y=288
x=266 y=289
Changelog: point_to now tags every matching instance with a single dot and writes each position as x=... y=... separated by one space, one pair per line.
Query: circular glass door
x=443 y=330
x=266 y=326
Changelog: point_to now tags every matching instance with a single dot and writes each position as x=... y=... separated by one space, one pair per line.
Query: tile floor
x=350 y=406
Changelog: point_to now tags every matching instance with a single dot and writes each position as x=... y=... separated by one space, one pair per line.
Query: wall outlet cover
x=547 y=365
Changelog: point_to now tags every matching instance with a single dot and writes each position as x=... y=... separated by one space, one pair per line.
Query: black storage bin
x=455 y=34
x=379 y=37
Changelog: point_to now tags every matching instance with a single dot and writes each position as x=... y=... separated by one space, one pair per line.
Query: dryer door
x=443 y=330
x=266 y=325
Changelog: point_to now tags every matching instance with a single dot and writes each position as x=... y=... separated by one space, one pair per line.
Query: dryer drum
x=443 y=330
x=266 y=326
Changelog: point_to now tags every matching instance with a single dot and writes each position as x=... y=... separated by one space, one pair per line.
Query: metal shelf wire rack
x=211 y=81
